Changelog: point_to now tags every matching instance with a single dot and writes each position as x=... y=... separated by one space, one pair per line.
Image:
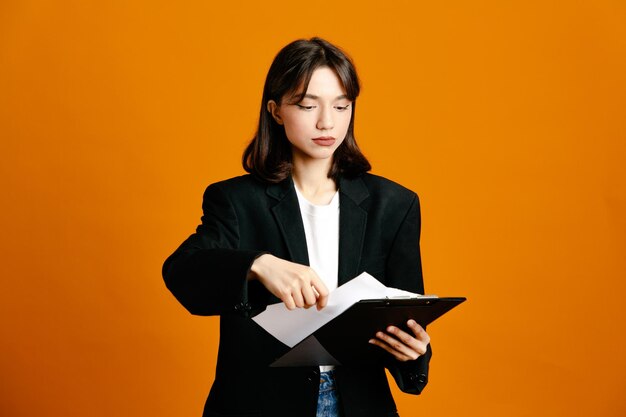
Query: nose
x=325 y=120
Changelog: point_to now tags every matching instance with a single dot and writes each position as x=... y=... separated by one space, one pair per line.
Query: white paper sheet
x=292 y=326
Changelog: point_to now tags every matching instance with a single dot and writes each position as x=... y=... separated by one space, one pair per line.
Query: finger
x=322 y=301
x=317 y=296
x=289 y=303
x=418 y=331
x=415 y=327
x=405 y=338
x=309 y=295
x=298 y=298
x=418 y=345
x=322 y=292
x=408 y=350
x=398 y=355
x=315 y=291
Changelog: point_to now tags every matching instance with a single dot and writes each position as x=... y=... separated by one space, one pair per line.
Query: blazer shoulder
x=382 y=187
x=241 y=185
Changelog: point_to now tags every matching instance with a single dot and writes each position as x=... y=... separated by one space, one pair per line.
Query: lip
x=325 y=140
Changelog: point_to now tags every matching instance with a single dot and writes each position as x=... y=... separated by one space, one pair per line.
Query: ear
x=274 y=110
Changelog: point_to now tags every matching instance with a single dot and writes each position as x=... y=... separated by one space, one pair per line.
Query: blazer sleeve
x=208 y=273
x=404 y=271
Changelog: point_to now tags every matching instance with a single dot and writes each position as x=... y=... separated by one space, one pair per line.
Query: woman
x=306 y=219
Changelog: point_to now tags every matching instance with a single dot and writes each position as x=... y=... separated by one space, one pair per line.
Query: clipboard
x=344 y=340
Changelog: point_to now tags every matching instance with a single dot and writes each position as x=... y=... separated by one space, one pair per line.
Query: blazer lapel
x=289 y=220
x=352 y=222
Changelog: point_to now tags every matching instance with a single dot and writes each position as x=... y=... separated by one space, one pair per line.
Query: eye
x=306 y=108
x=342 y=108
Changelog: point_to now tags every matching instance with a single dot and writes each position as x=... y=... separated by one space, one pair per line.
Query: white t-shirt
x=321 y=228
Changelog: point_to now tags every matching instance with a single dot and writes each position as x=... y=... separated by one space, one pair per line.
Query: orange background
x=508 y=118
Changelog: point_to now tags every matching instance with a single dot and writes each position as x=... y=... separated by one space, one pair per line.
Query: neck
x=311 y=178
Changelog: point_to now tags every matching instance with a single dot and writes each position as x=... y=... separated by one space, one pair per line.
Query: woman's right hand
x=296 y=285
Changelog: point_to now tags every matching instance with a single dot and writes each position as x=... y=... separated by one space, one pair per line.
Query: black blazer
x=243 y=218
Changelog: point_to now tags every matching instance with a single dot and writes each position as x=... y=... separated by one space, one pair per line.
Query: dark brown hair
x=268 y=156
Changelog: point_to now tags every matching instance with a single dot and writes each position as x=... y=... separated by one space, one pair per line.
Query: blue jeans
x=328 y=400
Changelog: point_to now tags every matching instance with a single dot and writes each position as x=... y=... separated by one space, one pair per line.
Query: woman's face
x=318 y=124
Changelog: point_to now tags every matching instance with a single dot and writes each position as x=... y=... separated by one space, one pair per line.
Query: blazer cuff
x=411 y=376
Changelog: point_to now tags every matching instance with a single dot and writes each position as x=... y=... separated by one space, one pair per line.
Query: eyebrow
x=314 y=97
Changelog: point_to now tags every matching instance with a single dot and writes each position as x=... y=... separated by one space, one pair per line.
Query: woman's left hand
x=402 y=345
